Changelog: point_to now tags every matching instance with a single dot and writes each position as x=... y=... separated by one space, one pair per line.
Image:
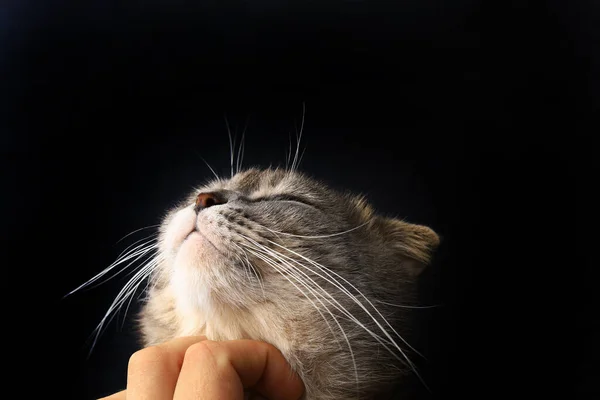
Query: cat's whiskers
x=245 y=267
x=300 y=159
x=134 y=253
x=231 y=145
x=405 y=306
x=344 y=290
x=317 y=295
x=335 y=303
x=141 y=253
x=152 y=235
x=313 y=236
x=211 y=169
x=131 y=255
x=339 y=234
x=296 y=162
x=289 y=152
x=241 y=148
x=328 y=271
x=131 y=296
x=270 y=253
x=312 y=290
x=128 y=290
x=263 y=255
x=254 y=270
x=137 y=230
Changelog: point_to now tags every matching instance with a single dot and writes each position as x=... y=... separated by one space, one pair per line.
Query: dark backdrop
x=477 y=118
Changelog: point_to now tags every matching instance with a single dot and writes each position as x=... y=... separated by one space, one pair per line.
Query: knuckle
x=198 y=350
x=149 y=355
x=201 y=350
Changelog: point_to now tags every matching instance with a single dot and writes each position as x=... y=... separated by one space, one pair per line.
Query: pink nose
x=207 y=199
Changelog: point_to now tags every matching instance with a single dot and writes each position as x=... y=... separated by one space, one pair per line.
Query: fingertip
x=279 y=381
x=116 y=396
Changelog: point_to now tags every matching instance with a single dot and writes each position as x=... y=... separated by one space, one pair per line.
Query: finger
x=117 y=396
x=153 y=371
x=222 y=370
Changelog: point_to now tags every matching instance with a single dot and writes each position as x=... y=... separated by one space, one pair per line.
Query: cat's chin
x=204 y=278
x=198 y=250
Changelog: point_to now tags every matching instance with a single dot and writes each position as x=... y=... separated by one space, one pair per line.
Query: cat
x=276 y=255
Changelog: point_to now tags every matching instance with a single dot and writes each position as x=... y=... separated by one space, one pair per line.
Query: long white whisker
x=340 y=308
x=149 y=281
x=335 y=303
x=154 y=262
x=137 y=251
x=314 y=236
x=341 y=233
x=121 y=297
x=231 y=145
x=255 y=271
x=301 y=156
x=299 y=138
x=240 y=156
x=142 y=253
x=245 y=266
x=289 y=153
x=265 y=253
x=137 y=230
x=328 y=272
x=211 y=168
x=134 y=256
x=352 y=297
x=405 y=306
x=315 y=293
x=127 y=250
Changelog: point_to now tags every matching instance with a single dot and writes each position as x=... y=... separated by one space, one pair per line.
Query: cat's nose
x=208 y=199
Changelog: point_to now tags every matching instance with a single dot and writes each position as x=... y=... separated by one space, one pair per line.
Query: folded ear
x=414 y=243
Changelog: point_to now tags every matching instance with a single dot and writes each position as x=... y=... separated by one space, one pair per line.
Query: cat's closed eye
x=285 y=197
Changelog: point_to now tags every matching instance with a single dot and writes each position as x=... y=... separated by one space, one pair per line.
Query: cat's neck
x=261 y=322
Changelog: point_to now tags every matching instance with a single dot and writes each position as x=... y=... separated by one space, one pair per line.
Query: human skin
x=192 y=368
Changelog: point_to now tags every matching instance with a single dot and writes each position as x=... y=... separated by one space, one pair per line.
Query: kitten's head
x=228 y=240
x=275 y=255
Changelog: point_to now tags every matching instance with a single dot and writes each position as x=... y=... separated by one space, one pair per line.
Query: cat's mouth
x=199 y=238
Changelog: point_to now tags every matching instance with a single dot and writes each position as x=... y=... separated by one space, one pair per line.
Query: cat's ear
x=414 y=243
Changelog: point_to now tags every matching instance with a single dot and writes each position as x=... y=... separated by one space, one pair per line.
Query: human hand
x=193 y=368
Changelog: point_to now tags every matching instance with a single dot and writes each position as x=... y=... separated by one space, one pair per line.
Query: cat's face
x=277 y=256
x=231 y=240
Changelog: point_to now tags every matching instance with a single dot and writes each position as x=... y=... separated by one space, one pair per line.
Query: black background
x=477 y=118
